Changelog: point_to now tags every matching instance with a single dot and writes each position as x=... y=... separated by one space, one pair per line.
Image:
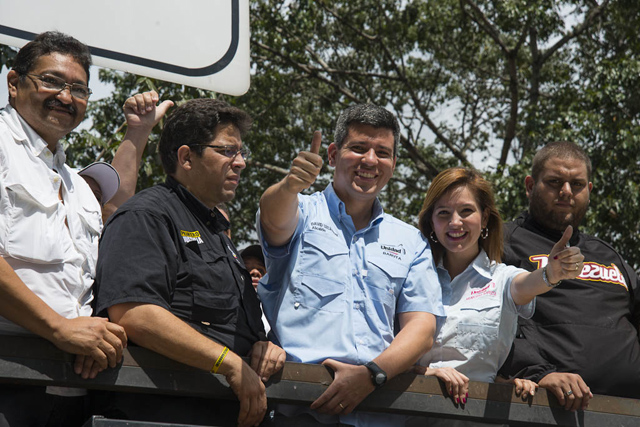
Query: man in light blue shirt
x=340 y=270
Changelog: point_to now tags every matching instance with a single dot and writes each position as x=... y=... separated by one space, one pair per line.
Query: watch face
x=378 y=376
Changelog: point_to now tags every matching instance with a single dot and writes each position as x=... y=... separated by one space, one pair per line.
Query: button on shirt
x=51 y=244
x=476 y=336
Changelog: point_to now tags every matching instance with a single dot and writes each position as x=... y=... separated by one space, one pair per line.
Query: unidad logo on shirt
x=592 y=271
x=321 y=226
x=190 y=236
x=394 y=251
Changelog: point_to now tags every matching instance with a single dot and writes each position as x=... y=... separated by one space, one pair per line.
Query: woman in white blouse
x=482 y=297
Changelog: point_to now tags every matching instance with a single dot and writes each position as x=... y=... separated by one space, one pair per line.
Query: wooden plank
x=31 y=360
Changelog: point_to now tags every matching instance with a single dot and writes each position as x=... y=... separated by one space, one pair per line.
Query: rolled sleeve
x=275 y=252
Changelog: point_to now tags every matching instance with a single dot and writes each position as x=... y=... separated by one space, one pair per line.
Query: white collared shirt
x=476 y=336
x=51 y=244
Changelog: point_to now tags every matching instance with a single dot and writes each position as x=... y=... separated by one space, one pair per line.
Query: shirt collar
x=530 y=223
x=482 y=264
x=336 y=206
x=21 y=131
x=217 y=221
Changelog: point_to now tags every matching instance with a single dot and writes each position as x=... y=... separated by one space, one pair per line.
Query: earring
x=432 y=236
x=485 y=233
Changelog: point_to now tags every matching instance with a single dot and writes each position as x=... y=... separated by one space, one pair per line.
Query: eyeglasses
x=57 y=84
x=230 y=151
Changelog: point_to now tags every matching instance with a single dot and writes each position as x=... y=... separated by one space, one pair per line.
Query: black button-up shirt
x=165 y=247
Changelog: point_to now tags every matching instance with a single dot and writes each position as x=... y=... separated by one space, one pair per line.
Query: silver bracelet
x=546 y=278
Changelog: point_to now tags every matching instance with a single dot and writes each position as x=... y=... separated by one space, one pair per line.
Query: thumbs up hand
x=564 y=262
x=305 y=167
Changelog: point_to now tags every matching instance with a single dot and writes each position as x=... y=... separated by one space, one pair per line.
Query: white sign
x=200 y=43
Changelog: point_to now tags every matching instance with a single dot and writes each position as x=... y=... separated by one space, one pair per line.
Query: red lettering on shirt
x=592 y=271
x=488 y=290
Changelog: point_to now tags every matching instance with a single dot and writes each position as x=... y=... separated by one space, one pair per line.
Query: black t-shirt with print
x=587 y=325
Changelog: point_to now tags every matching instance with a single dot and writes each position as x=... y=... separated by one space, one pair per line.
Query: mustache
x=55 y=103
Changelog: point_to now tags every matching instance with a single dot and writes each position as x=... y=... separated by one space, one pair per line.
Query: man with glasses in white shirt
x=50 y=224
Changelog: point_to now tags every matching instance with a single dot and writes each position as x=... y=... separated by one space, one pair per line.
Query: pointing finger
x=316 y=142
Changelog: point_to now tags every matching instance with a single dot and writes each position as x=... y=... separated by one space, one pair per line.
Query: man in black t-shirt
x=169 y=274
x=583 y=336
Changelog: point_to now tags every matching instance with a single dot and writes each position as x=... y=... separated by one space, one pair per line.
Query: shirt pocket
x=477 y=330
x=217 y=308
x=35 y=225
x=320 y=293
x=324 y=256
x=388 y=276
x=211 y=265
x=205 y=283
x=91 y=222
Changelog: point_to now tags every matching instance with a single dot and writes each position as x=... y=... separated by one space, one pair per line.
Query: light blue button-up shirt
x=333 y=292
x=481 y=319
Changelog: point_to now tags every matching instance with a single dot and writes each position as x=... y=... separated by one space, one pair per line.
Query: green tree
x=473 y=82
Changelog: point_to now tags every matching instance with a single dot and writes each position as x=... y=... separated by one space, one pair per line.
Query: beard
x=555 y=220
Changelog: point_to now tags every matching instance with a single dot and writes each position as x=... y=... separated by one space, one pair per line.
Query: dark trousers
x=31 y=406
x=164 y=408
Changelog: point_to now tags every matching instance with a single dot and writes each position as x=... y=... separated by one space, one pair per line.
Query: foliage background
x=478 y=83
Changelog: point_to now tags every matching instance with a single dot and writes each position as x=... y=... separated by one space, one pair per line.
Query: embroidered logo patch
x=489 y=290
x=321 y=226
x=592 y=271
x=190 y=236
x=394 y=251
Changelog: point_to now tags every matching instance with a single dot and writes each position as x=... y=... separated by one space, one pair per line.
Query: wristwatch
x=378 y=376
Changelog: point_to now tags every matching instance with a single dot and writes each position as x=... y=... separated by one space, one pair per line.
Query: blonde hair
x=449 y=180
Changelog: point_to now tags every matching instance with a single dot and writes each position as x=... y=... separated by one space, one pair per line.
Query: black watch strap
x=378 y=376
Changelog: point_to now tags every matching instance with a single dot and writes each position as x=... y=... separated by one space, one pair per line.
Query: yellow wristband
x=216 y=365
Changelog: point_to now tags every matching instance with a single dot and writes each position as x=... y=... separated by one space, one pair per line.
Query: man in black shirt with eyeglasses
x=172 y=278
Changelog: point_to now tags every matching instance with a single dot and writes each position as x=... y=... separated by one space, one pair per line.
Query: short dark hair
x=367 y=114
x=560 y=150
x=196 y=122
x=48 y=43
